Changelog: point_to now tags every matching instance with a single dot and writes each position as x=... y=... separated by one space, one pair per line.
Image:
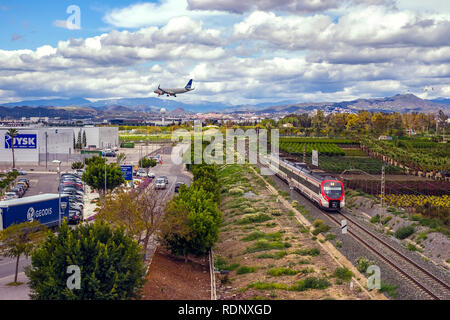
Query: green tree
x=94 y=175
x=12 y=133
x=318 y=122
x=84 y=139
x=79 y=140
x=147 y=163
x=111 y=264
x=21 y=239
x=121 y=158
x=77 y=165
x=191 y=222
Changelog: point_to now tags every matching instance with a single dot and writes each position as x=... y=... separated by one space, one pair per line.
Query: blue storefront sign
x=127 y=172
x=22 y=141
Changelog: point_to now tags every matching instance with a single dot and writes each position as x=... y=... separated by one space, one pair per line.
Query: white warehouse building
x=34 y=146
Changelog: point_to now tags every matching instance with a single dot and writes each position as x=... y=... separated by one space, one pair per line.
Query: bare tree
x=139 y=211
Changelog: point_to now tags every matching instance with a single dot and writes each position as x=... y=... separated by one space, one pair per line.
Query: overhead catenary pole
x=383 y=181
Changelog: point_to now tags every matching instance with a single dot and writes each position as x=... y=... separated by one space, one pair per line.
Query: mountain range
x=142 y=107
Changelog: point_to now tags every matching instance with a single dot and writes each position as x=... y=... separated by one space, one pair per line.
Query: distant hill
x=397 y=103
x=441 y=101
x=134 y=107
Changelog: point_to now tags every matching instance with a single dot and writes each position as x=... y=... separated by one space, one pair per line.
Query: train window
x=332 y=189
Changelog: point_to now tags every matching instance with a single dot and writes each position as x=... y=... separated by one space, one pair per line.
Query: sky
x=237 y=52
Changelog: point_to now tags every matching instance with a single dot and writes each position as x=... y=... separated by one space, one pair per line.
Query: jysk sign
x=127 y=172
x=22 y=141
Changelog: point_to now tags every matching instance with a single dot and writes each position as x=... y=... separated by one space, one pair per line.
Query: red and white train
x=320 y=187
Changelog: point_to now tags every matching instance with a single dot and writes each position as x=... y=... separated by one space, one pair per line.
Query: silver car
x=160 y=183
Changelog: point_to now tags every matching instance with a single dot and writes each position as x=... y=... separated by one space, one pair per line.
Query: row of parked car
x=18 y=190
x=71 y=184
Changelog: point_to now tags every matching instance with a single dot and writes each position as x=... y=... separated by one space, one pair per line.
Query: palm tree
x=12 y=133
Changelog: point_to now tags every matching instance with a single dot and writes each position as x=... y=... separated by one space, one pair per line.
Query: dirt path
x=170 y=278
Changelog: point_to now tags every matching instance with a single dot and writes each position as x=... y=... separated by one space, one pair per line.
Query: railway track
x=422 y=279
x=434 y=287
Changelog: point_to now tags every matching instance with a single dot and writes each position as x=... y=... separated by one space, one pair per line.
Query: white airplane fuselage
x=174 y=91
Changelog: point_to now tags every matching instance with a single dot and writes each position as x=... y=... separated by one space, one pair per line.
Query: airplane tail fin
x=189 y=85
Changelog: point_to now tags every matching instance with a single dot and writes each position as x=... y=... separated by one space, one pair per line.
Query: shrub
x=236 y=191
x=320 y=227
x=310 y=283
x=362 y=264
x=282 y=272
x=386 y=220
x=265 y=245
x=404 y=232
x=343 y=273
x=375 y=219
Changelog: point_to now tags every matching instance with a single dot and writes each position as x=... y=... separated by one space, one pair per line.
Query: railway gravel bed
x=352 y=249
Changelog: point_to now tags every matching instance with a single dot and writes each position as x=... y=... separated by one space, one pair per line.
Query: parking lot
x=42 y=181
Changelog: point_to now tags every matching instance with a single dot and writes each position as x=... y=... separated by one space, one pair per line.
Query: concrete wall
x=100 y=137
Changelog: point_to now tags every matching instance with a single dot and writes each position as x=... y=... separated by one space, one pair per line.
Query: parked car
x=74 y=184
x=151 y=175
x=74 y=216
x=72 y=191
x=178 y=185
x=110 y=154
x=141 y=173
x=23 y=179
x=166 y=180
x=18 y=191
x=22 y=184
x=160 y=183
x=10 y=195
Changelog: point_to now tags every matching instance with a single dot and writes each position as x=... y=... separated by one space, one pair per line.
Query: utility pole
x=304 y=154
x=46 y=153
x=105 y=176
x=383 y=181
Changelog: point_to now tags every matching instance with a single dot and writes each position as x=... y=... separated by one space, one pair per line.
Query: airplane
x=174 y=92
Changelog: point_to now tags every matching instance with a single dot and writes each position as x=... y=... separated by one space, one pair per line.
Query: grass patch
x=310 y=283
x=330 y=237
x=320 y=227
x=375 y=219
x=14 y=284
x=262 y=217
x=221 y=264
x=266 y=245
x=390 y=290
x=276 y=255
x=276 y=236
x=245 y=269
x=307 y=252
x=412 y=247
x=302 y=285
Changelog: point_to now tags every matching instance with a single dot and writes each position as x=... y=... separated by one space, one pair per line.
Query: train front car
x=332 y=194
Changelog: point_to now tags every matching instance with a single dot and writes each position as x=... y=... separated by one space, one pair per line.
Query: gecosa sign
x=34 y=214
x=22 y=141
